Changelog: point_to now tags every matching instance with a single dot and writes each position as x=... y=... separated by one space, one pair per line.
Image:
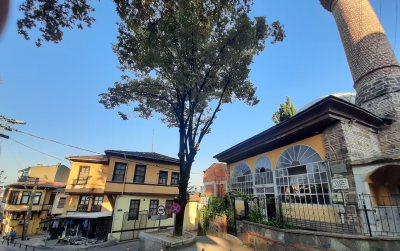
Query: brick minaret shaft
x=372 y=62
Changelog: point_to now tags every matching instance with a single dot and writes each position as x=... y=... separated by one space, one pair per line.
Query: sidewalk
x=209 y=243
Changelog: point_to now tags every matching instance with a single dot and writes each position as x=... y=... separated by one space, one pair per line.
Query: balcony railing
x=82 y=208
x=80 y=181
x=95 y=208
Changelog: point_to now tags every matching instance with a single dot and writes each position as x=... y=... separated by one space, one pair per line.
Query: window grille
x=269 y=190
x=309 y=188
x=297 y=155
x=61 y=202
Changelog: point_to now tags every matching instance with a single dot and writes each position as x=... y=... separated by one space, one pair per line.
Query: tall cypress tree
x=285 y=111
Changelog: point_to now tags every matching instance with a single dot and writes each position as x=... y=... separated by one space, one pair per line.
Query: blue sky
x=55 y=88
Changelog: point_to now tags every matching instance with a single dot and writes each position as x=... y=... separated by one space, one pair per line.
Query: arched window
x=241 y=169
x=242 y=180
x=263 y=163
x=298 y=155
x=301 y=176
x=263 y=170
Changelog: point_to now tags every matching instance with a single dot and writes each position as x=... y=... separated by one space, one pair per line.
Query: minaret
x=372 y=62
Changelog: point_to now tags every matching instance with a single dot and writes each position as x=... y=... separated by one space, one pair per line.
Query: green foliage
x=54 y=16
x=185 y=59
x=277 y=224
x=256 y=215
x=285 y=111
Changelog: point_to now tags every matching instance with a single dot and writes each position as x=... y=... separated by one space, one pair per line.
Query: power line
x=37 y=150
x=137 y=162
x=55 y=141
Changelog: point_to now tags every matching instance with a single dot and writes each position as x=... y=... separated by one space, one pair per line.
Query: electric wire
x=36 y=150
x=108 y=174
x=55 y=141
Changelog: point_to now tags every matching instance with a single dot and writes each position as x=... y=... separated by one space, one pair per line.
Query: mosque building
x=344 y=146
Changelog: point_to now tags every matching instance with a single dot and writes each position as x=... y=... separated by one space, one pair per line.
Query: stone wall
x=218 y=226
x=262 y=237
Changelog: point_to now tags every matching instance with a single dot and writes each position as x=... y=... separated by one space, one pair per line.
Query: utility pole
x=8 y=128
x=152 y=140
x=29 y=212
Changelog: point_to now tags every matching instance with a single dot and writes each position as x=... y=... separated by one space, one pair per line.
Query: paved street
x=207 y=242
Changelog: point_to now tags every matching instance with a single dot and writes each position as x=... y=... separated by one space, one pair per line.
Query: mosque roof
x=309 y=120
x=346 y=96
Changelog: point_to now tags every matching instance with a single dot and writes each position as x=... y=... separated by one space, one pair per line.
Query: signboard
x=340 y=184
x=119 y=210
x=175 y=208
x=160 y=209
x=159 y=217
x=203 y=200
x=339 y=168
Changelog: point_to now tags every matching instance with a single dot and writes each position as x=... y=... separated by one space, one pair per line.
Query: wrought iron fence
x=345 y=213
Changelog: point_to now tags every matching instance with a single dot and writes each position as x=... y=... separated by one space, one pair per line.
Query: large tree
x=188 y=58
x=286 y=110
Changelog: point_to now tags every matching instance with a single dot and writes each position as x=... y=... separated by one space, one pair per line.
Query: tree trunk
x=184 y=166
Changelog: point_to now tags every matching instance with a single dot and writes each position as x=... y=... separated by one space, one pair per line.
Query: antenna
x=152 y=140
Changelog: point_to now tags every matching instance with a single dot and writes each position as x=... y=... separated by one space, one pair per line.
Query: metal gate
x=130 y=229
x=231 y=215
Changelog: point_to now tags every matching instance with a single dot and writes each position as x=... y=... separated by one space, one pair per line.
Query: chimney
x=372 y=62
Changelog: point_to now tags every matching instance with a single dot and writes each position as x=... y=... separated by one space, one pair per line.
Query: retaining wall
x=262 y=237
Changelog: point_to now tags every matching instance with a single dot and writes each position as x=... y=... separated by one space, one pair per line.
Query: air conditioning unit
x=20 y=222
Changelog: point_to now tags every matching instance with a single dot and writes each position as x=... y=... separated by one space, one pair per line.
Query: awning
x=85 y=215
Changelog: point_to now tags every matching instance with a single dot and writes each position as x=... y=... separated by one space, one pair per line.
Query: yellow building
x=57 y=173
x=120 y=191
x=17 y=200
x=86 y=183
x=139 y=182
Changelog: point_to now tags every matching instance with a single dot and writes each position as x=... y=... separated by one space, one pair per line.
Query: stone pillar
x=372 y=62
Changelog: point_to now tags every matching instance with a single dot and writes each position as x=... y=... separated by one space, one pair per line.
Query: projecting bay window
x=304 y=184
x=140 y=174
x=162 y=177
x=174 y=179
x=25 y=197
x=119 y=172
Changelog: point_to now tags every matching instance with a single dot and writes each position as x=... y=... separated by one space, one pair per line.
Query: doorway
x=271 y=208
